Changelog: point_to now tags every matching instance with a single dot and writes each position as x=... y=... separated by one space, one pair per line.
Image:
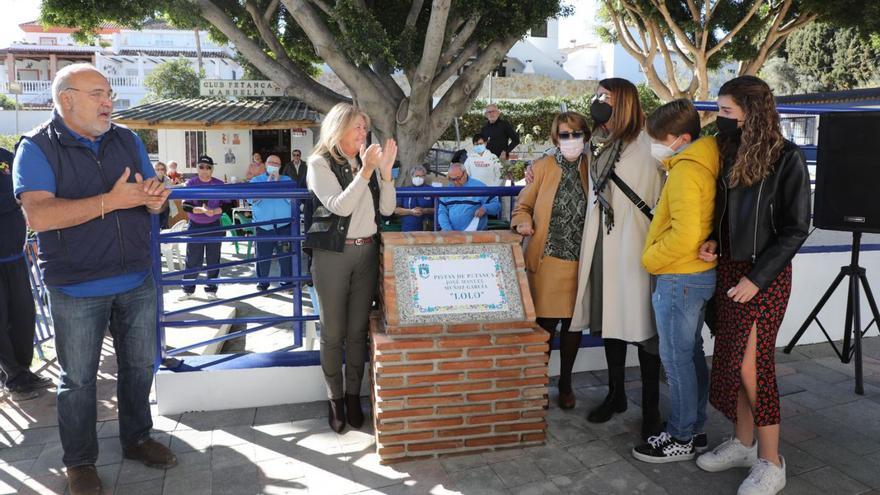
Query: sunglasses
x=455 y=179
x=205 y=167
x=571 y=135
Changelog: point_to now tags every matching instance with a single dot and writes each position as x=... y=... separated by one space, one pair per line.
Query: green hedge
x=8 y=141
x=535 y=116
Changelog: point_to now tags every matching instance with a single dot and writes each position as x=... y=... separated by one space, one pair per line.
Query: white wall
x=27 y=120
x=241 y=152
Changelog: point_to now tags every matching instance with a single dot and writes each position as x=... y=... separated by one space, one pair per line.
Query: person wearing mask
x=762 y=217
x=163 y=177
x=99 y=217
x=296 y=169
x=256 y=167
x=272 y=209
x=614 y=291
x=17 y=313
x=552 y=210
x=465 y=212
x=173 y=174
x=414 y=210
x=351 y=187
x=203 y=214
x=501 y=137
x=683 y=282
x=482 y=164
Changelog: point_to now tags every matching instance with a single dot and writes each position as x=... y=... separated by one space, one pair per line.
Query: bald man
x=501 y=137
x=87 y=188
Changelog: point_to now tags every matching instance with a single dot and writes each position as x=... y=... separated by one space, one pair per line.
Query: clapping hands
x=380 y=157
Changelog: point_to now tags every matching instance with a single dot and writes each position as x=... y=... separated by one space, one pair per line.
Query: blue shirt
x=32 y=172
x=410 y=223
x=457 y=212
x=270 y=208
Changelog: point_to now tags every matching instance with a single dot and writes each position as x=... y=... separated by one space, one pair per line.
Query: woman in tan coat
x=614 y=294
x=552 y=210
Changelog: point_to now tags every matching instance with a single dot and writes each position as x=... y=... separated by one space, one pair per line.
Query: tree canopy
x=412 y=65
x=172 y=79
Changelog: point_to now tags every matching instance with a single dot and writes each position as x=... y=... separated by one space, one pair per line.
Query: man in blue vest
x=87 y=188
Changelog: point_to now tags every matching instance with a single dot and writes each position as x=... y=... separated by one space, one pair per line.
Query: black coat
x=767 y=221
x=500 y=136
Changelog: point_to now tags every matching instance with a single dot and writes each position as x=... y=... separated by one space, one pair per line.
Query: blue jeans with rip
x=679 y=302
x=80 y=326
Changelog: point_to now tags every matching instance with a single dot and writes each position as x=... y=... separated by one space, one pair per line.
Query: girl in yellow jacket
x=684 y=283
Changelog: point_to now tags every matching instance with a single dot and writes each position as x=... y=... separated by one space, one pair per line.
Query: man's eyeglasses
x=96 y=94
x=455 y=179
x=571 y=135
x=277 y=164
x=205 y=167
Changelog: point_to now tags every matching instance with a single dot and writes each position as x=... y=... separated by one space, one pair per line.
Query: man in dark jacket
x=16 y=301
x=88 y=188
x=501 y=138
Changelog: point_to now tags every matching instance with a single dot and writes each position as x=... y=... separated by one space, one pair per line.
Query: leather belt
x=359 y=242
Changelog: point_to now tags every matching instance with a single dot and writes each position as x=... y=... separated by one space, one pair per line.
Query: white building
x=124 y=55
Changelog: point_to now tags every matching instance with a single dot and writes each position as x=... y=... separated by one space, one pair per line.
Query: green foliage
x=9 y=141
x=7 y=103
x=172 y=79
x=824 y=57
x=648 y=98
x=150 y=138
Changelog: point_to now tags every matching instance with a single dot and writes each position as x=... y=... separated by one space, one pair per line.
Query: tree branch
x=267 y=36
x=414 y=10
x=742 y=22
x=680 y=35
x=270 y=10
x=295 y=81
x=459 y=40
x=453 y=67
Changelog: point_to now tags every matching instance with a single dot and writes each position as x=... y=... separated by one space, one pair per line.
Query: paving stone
x=19 y=453
x=593 y=454
x=217 y=419
x=621 y=477
x=462 y=462
x=797 y=460
x=39 y=436
x=865 y=470
x=519 y=471
x=49 y=460
x=536 y=488
x=136 y=472
x=554 y=460
x=480 y=480
x=151 y=487
x=833 y=481
x=55 y=483
x=240 y=480
x=187 y=440
x=13 y=474
x=195 y=482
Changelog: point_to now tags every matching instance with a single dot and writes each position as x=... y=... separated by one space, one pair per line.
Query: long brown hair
x=628 y=119
x=756 y=152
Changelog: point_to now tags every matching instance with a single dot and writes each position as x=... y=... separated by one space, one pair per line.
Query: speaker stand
x=853 y=332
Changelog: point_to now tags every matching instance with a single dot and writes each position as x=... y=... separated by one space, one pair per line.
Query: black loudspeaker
x=848 y=172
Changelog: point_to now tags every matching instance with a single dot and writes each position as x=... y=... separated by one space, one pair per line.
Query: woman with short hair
x=351 y=185
x=614 y=291
x=551 y=209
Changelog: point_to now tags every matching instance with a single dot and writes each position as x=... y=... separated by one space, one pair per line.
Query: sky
x=16 y=12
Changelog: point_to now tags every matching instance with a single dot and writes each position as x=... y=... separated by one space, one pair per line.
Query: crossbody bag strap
x=629 y=193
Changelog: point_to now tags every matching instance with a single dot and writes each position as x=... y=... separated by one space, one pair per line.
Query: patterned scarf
x=606 y=153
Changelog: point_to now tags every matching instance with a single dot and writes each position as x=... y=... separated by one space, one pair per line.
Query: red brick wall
x=451 y=388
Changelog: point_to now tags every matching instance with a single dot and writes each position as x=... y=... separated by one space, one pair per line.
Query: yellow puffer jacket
x=684 y=215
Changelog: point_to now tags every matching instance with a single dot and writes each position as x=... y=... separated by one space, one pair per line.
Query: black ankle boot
x=336 y=415
x=615 y=401
x=353 y=411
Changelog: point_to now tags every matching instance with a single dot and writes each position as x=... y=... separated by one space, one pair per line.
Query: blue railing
x=44 y=329
x=228 y=192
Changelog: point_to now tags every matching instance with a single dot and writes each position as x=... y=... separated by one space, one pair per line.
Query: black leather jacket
x=767 y=221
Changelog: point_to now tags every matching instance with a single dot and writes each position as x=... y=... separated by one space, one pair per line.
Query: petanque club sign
x=229 y=87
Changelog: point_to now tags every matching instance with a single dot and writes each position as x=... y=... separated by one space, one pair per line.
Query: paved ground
x=831 y=440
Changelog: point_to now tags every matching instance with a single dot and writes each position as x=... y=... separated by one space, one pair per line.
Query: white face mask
x=271 y=169
x=571 y=148
x=418 y=181
x=661 y=151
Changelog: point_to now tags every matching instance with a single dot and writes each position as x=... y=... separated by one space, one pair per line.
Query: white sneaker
x=186 y=297
x=731 y=453
x=211 y=296
x=765 y=478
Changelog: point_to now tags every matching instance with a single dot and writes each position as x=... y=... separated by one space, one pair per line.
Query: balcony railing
x=40 y=87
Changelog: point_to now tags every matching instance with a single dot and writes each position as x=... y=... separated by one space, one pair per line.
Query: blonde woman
x=351 y=186
x=552 y=209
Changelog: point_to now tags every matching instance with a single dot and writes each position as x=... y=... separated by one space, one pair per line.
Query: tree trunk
x=199 y=52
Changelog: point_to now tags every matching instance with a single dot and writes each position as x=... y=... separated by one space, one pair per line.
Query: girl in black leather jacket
x=762 y=218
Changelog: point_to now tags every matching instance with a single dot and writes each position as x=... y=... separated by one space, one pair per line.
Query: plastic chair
x=227 y=222
x=171 y=252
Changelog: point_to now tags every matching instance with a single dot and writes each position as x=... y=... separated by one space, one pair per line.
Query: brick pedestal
x=450 y=386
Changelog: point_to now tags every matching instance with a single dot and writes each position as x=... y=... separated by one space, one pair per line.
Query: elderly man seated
x=465 y=212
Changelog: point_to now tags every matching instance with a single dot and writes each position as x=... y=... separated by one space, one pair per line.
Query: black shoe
x=701 y=442
x=37 y=381
x=615 y=401
x=663 y=448
x=353 y=411
x=337 y=415
x=262 y=286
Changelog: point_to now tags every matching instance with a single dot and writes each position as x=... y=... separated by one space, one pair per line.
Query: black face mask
x=727 y=126
x=600 y=112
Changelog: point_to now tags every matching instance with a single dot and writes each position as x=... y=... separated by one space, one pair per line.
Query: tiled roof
x=172 y=52
x=25 y=48
x=201 y=113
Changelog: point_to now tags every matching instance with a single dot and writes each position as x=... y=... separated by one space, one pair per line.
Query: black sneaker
x=663 y=448
x=38 y=381
x=701 y=442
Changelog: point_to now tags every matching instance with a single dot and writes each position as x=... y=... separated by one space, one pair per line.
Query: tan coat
x=626 y=291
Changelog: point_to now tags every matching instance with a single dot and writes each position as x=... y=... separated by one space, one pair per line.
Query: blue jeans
x=80 y=325
x=268 y=248
x=679 y=308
